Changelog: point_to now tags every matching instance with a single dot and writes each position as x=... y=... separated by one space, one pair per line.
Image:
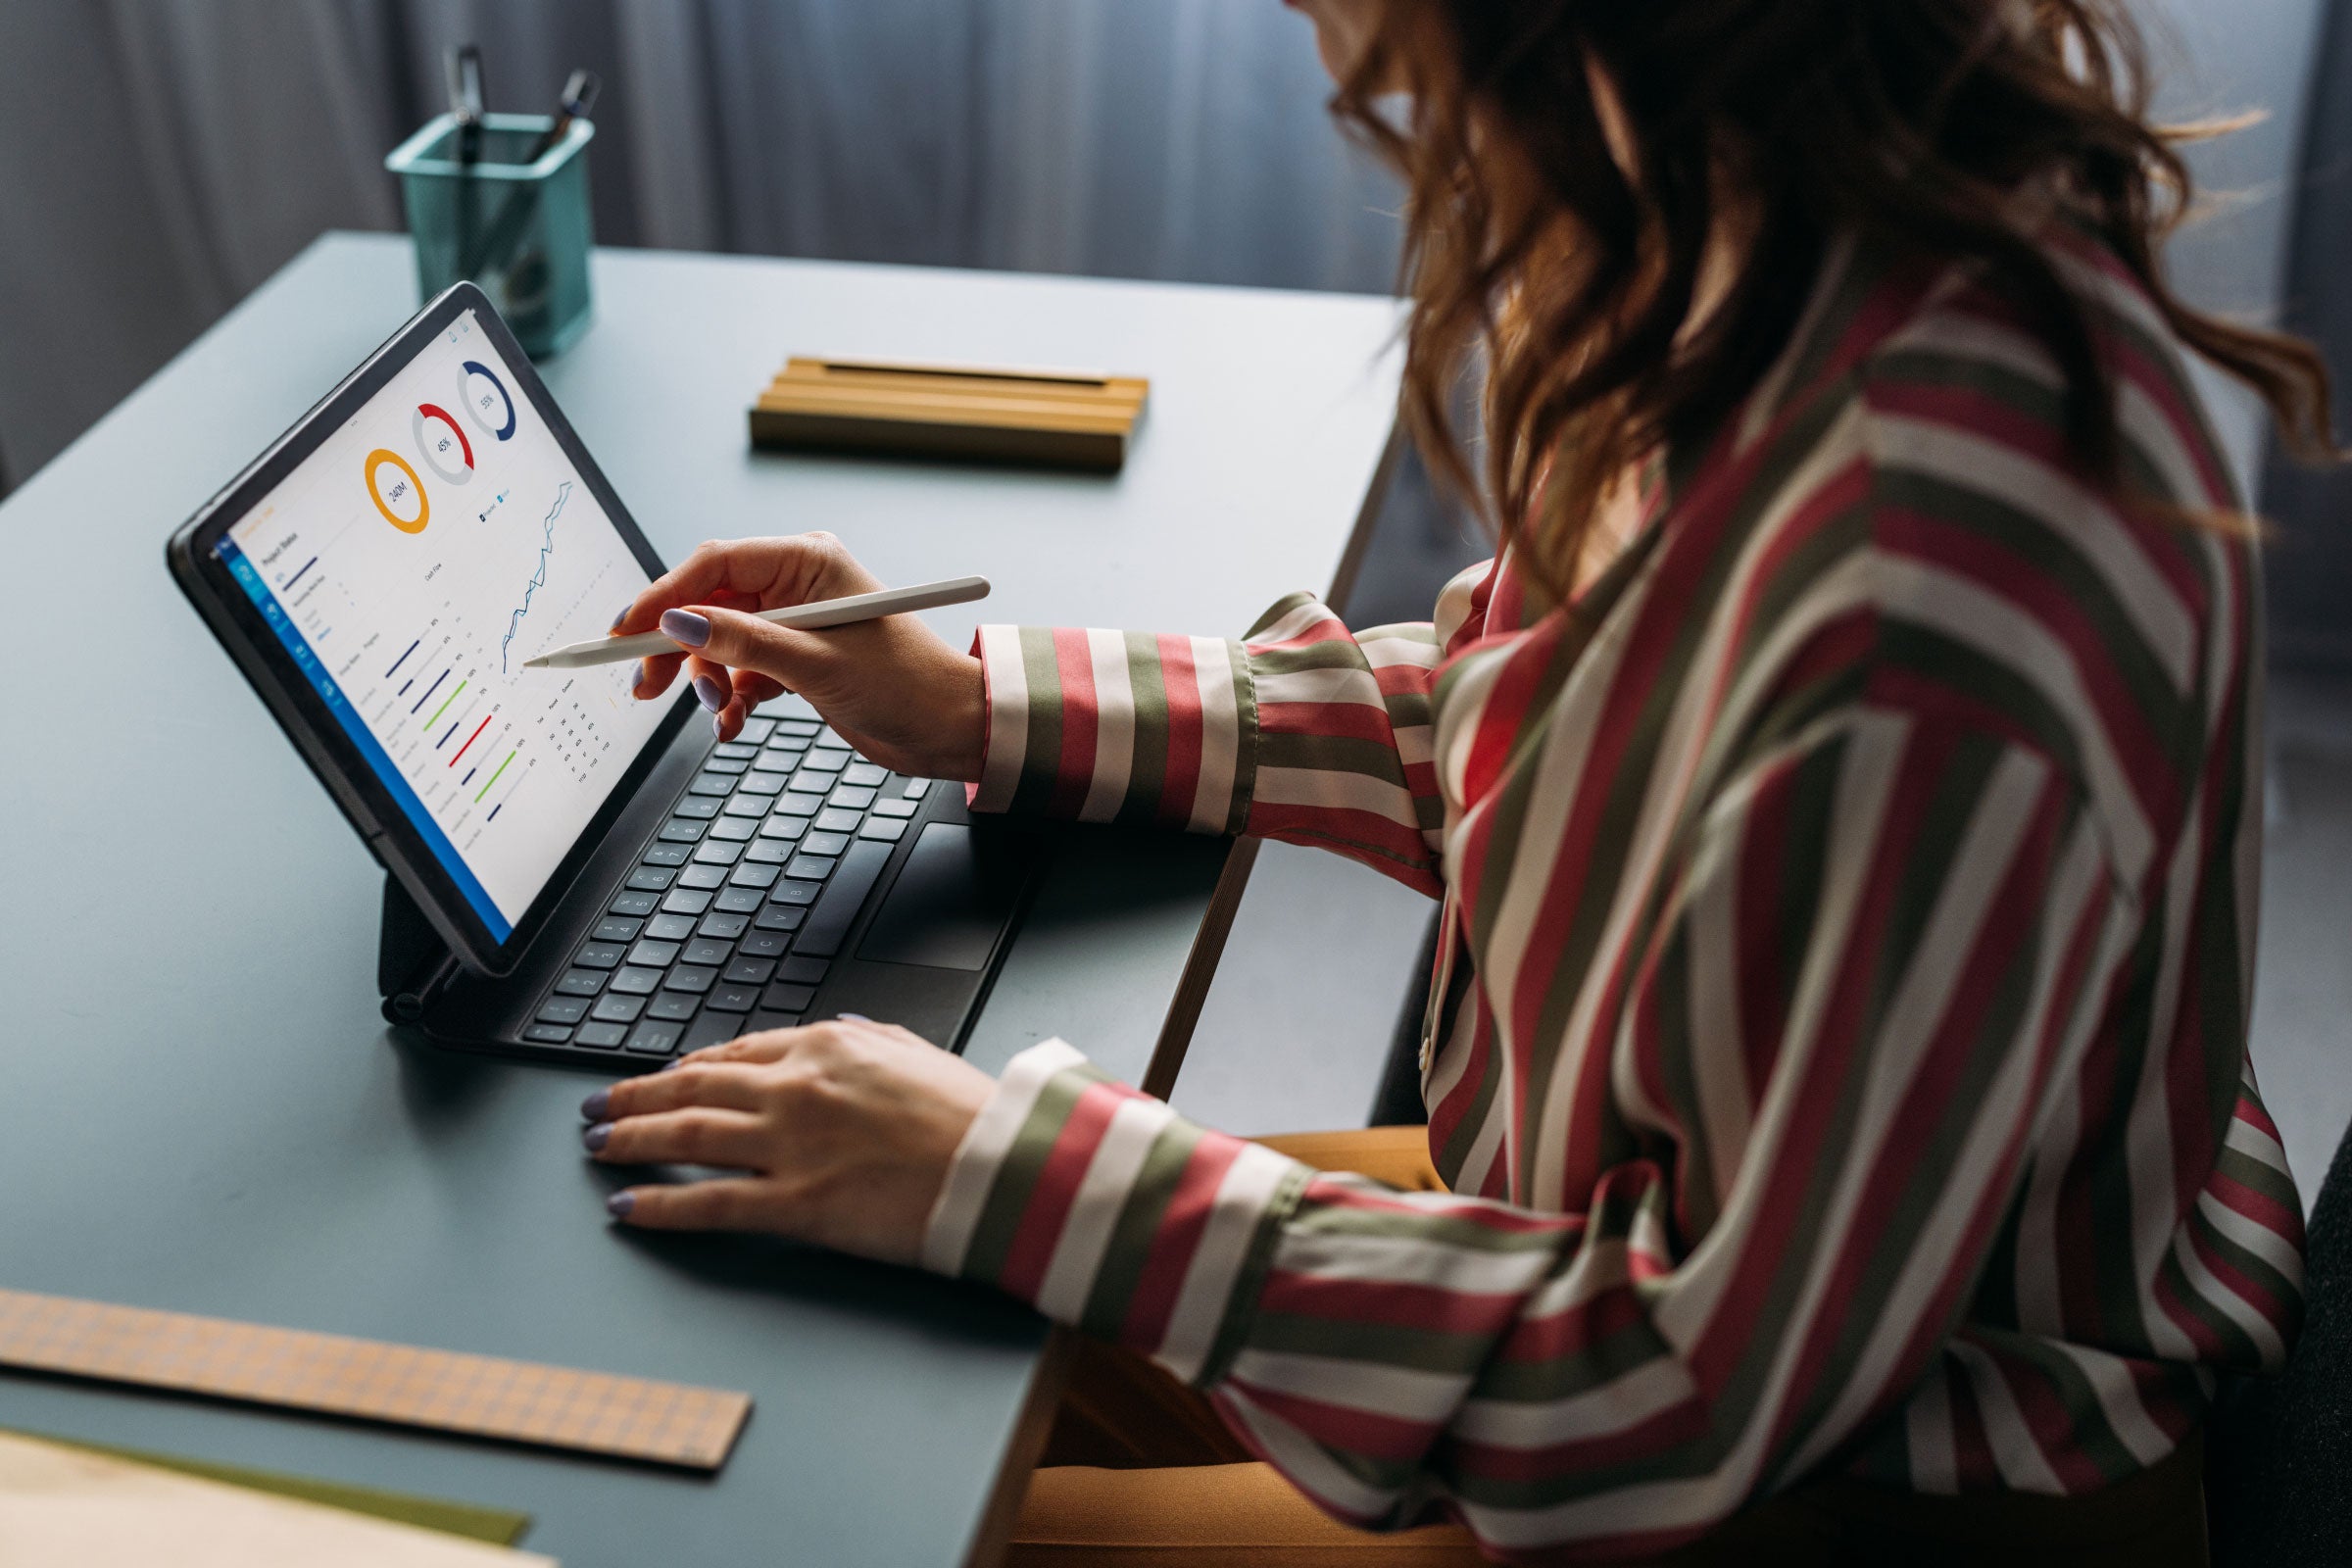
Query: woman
x=1841 y=786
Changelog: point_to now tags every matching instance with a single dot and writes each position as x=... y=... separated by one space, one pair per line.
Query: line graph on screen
x=546 y=548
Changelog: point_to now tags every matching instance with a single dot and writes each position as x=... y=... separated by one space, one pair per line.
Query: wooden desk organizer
x=1047 y=419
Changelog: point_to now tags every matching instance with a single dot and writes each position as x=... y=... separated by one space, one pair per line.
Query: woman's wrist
x=963 y=732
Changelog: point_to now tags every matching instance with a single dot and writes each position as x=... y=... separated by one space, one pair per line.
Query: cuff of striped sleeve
x=1111 y=1213
x=1110 y=726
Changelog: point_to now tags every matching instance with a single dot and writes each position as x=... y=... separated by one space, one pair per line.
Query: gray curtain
x=2311 y=557
x=158 y=158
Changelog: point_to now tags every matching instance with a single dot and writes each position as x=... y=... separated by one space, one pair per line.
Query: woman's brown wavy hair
x=1568 y=162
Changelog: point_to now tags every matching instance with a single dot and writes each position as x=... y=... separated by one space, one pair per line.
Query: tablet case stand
x=412 y=962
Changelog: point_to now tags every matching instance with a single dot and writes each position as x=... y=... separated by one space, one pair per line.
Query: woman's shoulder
x=1929 y=518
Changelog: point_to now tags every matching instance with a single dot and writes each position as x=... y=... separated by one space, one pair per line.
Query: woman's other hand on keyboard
x=890 y=687
x=843 y=1133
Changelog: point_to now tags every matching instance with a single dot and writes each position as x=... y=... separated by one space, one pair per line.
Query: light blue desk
x=199 y=1108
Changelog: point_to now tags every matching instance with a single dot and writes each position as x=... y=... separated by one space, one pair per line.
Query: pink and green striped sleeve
x=1302 y=732
x=1617 y=1371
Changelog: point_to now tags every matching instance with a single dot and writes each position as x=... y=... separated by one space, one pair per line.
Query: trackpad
x=951 y=897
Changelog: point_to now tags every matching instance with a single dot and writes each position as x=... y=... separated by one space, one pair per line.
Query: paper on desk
x=68 y=1508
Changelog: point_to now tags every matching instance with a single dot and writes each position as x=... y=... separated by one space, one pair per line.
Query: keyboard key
x=673 y=1006
x=852 y=797
x=753 y=972
x=805 y=728
x=824 y=843
x=563 y=1009
x=713 y=1028
x=806 y=782
x=787 y=999
x=601 y=1036
x=738 y=750
x=719 y=852
x=636 y=903
x=668 y=855
x=726 y=925
x=725 y=765
x=780 y=917
x=803 y=970
x=732 y=999
x=916 y=789
x=790 y=892
x=669 y=927
x=682 y=830
x=825 y=759
x=798 y=805
x=772 y=762
x=897 y=808
x=646 y=879
x=579 y=983
x=718 y=784
x=599 y=954
x=756 y=729
x=829 y=922
x=883 y=829
x=694 y=977
x=767 y=852
x=687 y=900
x=741 y=901
x=759 y=1021
x=764 y=945
x=865 y=773
x=734 y=828
x=701 y=808
x=710 y=950
x=761 y=784
x=753 y=804
x=704 y=877
x=784 y=828
x=654 y=955
x=656 y=1040
x=815 y=867
x=754 y=875
x=835 y=819
x=618 y=1008
x=633 y=981
x=548 y=1034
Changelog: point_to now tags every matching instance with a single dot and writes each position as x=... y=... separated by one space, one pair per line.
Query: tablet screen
x=409 y=565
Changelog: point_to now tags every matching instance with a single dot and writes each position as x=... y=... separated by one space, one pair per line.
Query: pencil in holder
x=517 y=228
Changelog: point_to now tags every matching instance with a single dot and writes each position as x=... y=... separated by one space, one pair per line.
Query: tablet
x=381 y=573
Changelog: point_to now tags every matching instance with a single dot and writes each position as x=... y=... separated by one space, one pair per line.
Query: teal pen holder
x=519 y=229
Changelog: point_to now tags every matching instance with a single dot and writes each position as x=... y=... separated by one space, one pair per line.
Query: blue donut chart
x=472 y=368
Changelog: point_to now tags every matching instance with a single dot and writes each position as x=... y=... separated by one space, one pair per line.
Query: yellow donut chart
x=401 y=494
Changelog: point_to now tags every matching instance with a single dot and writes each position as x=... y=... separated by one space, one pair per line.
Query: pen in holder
x=519 y=229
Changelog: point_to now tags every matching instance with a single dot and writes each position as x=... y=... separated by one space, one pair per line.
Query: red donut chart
x=442 y=444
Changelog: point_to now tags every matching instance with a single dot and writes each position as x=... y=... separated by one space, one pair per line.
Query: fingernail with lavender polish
x=597 y=1136
x=685 y=627
x=714 y=696
x=853 y=1017
x=619 y=1205
x=623 y=615
x=597 y=1106
x=718 y=726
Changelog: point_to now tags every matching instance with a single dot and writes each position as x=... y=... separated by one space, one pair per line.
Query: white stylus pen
x=800 y=617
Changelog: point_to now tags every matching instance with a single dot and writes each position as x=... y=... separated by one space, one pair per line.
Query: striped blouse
x=1836 y=1050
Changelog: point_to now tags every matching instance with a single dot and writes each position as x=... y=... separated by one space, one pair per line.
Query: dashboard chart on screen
x=411 y=564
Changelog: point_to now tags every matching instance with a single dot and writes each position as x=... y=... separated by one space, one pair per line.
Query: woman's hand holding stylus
x=890 y=687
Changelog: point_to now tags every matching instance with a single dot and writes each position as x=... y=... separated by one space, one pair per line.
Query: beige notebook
x=66 y=1508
